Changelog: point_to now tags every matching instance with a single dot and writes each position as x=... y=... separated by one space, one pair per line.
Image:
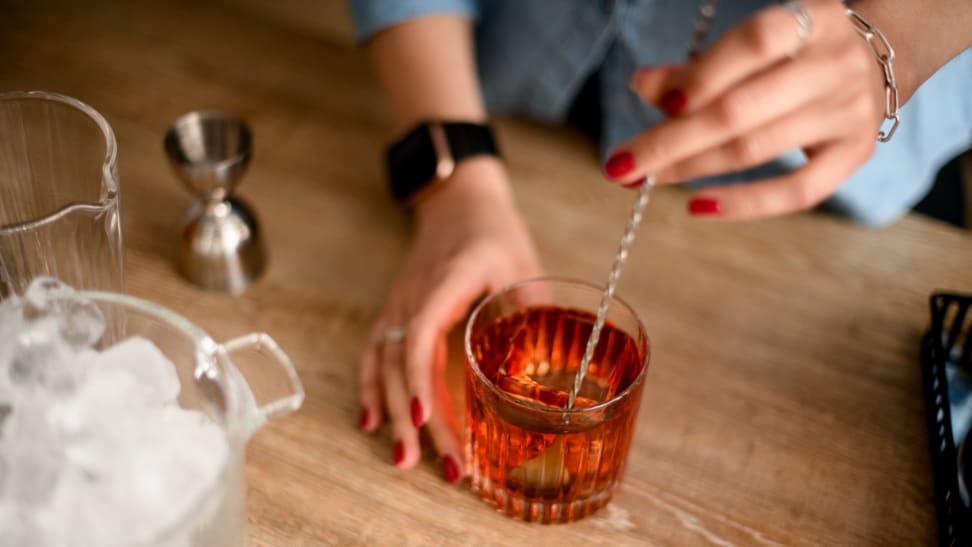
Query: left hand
x=755 y=94
x=471 y=240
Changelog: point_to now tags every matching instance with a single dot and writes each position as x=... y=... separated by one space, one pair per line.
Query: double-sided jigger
x=220 y=247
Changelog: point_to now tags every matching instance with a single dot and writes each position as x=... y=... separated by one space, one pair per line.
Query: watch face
x=430 y=151
x=411 y=163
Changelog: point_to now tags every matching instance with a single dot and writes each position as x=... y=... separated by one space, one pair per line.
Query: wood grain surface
x=783 y=403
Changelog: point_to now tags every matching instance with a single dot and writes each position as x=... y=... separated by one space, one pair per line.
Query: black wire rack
x=946 y=356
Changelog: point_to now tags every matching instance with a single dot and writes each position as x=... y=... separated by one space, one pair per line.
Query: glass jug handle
x=269 y=351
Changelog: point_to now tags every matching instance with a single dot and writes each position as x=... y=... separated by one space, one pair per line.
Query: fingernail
x=365 y=419
x=619 y=164
x=450 y=470
x=399 y=452
x=417 y=413
x=704 y=206
x=673 y=102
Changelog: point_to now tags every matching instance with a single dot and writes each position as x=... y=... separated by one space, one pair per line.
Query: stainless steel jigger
x=220 y=247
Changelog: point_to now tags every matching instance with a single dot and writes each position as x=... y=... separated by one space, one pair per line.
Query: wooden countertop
x=783 y=404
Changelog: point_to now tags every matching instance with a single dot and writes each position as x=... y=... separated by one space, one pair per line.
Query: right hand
x=759 y=91
x=470 y=240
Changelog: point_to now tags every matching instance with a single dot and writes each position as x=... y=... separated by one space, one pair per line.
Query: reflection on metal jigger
x=220 y=246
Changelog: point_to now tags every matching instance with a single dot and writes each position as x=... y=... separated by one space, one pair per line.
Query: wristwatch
x=428 y=155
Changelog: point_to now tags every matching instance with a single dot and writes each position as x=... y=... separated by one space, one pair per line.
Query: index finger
x=771 y=35
x=443 y=307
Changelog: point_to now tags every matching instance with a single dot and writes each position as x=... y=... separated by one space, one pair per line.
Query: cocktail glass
x=528 y=455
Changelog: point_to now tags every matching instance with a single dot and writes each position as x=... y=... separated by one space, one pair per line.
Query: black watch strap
x=430 y=152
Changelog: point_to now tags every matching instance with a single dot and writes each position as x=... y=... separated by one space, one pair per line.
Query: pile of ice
x=94 y=449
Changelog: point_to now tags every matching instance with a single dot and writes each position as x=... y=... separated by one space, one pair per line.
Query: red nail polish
x=673 y=102
x=399 y=452
x=450 y=470
x=704 y=206
x=365 y=419
x=417 y=413
x=619 y=164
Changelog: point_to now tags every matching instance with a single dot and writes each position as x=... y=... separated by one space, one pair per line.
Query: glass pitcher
x=59 y=213
x=239 y=385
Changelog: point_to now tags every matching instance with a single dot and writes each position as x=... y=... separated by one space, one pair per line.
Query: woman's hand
x=758 y=92
x=470 y=240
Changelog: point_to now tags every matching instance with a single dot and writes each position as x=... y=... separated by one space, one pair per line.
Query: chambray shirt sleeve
x=371 y=16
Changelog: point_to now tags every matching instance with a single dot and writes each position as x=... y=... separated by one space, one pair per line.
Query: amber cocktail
x=528 y=455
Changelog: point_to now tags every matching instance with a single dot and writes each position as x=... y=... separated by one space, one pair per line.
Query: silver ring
x=804 y=22
x=392 y=335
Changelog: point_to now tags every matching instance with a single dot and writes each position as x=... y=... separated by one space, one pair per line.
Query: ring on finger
x=804 y=23
x=392 y=335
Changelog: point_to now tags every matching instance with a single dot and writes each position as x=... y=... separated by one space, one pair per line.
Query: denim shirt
x=533 y=57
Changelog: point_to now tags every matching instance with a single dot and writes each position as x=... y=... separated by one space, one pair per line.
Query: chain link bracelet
x=885 y=55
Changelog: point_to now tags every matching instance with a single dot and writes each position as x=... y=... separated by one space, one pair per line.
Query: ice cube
x=18 y=527
x=531 y=391
x=32 y=471
x=5 y=409
x=94 y=449
x=89 y=433
x=543 y=475
x=177 y=469
x=11 y=322
x=40 y=295
x=41 y=359
x=111 y=408
x=82 y=324
x=157 y=476
x=82 y=512
x=153 y=376
x=31 y=455
x=80 y=321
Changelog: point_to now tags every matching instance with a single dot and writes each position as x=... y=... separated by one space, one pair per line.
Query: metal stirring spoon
x=704 y=19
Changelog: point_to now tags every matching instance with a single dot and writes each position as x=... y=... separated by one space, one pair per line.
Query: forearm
x=925 y=34
x=426 y=68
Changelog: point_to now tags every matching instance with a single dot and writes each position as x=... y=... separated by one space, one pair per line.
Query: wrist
x=426 y=158
x=884 y=54
x=477 y=183
x=916 y=58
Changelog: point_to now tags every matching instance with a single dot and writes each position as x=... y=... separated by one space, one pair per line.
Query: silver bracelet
x=885 y=55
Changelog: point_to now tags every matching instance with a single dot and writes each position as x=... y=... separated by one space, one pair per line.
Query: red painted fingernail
x=365 y=419
x=399 y=452
x=619 y=164
x=417 y=413
x=450 y=470
x=704 y=206
x=673 y=102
